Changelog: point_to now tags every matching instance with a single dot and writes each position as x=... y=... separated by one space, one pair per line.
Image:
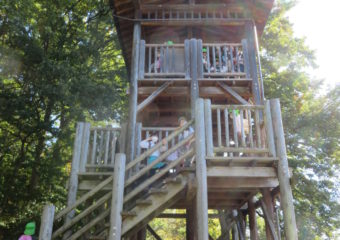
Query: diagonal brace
x=150 y=98
x=232 y=93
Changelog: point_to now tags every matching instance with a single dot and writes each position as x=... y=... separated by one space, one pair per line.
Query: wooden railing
x=160 y=132
x=163 y=60
x=187 y=12
x=102 y=146
x=224 y=59
x=135 y=183
x=89 y=210
x=237 y=128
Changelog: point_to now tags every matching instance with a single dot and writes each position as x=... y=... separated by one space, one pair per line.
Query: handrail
x=155 y=177
x=158 y=160
x=83 y=198
x=157 y=146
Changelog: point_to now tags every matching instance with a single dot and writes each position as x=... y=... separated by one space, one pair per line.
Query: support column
x=194 y=92
x=117 y=197
x=208 y=128
x=46 y=225
x=252 y=219
x=283 y=173
x=191 y=222
x=268 y=201
x=130 y=141
x=73 y=183
x=201 y=173
x=249 y=29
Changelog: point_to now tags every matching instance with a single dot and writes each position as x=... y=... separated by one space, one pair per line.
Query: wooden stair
x=155 y=202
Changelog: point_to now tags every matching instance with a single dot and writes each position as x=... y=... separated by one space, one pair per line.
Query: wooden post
x=252 y=220
x=191 y=222
x=141 y=67
x=193 y=70
x=73 y=183
x=201 y=173
x=137 y=146
x=133 y=93
x=46 y=225
x=84 y=147
x=208 y=128
x=268 y=201
x=187 y=58
x=199 y=59
x=122 y=138
x=249 y=29
x=117 y=197
x=269 y=129
x=234 y=232
x=246 y=57
x=283 y=173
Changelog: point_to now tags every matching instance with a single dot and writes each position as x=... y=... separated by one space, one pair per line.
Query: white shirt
x=145 y=144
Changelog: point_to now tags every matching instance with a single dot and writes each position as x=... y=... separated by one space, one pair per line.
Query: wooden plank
x=268 y=201
x=149 y=99
x=201 y=171
x=283 y=172
x=233 y=93
x=239 y=149
x=117 y=198
x=246 y=57
x=236 y=183
x=245 y=172
x=46 y=225
x=199 y=59
x=94 y=147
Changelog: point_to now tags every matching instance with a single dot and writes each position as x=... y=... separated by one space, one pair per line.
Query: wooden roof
x=125 y=9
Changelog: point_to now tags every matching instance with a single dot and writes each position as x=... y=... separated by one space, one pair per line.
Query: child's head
x=182 y=121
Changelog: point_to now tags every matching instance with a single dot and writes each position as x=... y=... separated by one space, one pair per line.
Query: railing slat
x=243 y=138
x=235 y=128
x=250 y=129
x=94 y=147
x=219 y=134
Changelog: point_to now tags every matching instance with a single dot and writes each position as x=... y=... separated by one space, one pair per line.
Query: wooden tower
x=192 y=59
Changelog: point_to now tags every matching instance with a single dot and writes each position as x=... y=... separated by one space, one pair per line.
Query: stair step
x=145 y=202
x=158 y=191
x=175 y=180
x=94 y=175
x=126 y=214
x=97 y=238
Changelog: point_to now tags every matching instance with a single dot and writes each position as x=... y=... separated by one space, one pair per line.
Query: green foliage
x=60 y=63
x=311 y=124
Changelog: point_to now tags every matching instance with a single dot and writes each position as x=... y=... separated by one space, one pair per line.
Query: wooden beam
x=268 y=201
x=283 y=172
x=150 y=98
x=194 y=89
x=269 y=220
x=232 y=93
x=153 y=233
x=208 y=128
x=244 y=172
x=252 y=220
x=235 y=183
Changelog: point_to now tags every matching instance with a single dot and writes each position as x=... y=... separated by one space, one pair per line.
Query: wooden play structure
x=197 y=60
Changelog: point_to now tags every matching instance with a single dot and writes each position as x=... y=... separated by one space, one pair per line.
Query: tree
x=311 y=125
x=60 y=63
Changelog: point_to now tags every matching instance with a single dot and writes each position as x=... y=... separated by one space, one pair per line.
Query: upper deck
x=211 y=21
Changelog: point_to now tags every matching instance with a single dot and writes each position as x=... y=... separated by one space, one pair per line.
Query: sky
x=319 y=22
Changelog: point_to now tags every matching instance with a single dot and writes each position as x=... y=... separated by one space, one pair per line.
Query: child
x=29 y=232
x=148 y=143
